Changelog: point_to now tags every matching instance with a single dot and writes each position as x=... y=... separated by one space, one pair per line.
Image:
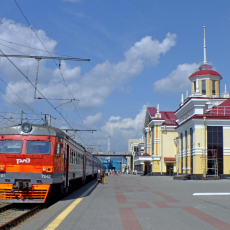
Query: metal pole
x=36 y=82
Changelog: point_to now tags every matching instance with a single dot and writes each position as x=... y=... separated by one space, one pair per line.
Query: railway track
x=13 y=214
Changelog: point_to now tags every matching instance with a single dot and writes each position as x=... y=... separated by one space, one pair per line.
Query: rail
x=12 y=215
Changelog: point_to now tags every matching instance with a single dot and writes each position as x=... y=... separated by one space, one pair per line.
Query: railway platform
x=133 y=202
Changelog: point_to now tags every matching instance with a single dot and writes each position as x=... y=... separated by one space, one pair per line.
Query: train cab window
x=38 y=147
x=10 y=146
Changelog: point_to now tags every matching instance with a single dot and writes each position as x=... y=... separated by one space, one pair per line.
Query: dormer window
x=213 y=87
x=203 y=87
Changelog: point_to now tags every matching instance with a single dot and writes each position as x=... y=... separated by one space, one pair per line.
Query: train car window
x=10 y=146
x=38 y=147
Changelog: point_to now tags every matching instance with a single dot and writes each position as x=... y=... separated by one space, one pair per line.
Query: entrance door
x=169 y=169
x=147 y=168
x=215 y=142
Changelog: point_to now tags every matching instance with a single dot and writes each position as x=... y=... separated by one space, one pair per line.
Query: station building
x=158 y=156
x=203 y=129
x=193 y=141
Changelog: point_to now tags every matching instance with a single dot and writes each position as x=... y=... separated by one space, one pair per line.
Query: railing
x=212 y=96
x=219 y=110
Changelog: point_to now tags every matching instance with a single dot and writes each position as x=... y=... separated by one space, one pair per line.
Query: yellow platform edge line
x=56 y=222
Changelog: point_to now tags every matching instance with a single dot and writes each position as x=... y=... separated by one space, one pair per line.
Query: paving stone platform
x=133 y=202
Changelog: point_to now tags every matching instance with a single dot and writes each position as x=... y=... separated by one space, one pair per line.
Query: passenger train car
x=40 y=161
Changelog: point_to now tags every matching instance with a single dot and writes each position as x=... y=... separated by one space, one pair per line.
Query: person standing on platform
x=102 y=175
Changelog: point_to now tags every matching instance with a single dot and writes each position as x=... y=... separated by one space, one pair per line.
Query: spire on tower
x=205 y=57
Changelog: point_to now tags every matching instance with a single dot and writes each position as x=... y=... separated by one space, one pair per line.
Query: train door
x=84 y=168
x=67 y=166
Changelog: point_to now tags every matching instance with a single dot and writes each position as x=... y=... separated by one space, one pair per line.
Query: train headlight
x=2 y=168
x=26 y=127
x=43 y=169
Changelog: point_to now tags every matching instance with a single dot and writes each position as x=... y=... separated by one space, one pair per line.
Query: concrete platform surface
x=132 y=202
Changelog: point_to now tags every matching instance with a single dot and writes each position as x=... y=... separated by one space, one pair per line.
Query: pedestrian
x=102 y=175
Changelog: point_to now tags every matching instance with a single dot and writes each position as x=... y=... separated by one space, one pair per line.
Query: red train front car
x=38 y=161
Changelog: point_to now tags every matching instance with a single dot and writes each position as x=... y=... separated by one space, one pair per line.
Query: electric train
x=39 y=161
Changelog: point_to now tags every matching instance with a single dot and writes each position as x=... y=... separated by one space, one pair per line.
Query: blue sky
x=142 y=53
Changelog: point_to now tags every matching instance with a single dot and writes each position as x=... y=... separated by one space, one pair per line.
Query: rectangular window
x=194 y=86
x=213 y=87
x=10 y=146
x=203 y=87
x=38 y=147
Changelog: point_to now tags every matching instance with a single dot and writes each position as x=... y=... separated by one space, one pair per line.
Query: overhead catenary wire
x=69 y=91
x=35 y=48
x=21 y=101
x=9 y=97
x=37 y=90
x=13 y=49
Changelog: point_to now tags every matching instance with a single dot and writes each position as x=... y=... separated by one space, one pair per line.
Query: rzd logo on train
x=27 y=160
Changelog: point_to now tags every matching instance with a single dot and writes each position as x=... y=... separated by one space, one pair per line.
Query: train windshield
x=38 y=147
x=10 y=146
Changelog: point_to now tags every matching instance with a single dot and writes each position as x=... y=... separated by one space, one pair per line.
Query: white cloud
x=125 y=128
x=19 y=88
x=93 y=87
x=68 y=73
x=177 y=80
x=119 y=129
x=20 y=34
x=92 y=120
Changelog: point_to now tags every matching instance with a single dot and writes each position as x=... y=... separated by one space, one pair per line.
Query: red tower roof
x=205 y=72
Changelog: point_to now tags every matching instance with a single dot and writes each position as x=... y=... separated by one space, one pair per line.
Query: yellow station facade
x=158 y=158
x=193 y=141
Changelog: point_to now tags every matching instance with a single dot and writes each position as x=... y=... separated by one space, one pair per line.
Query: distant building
x=159 y=155
x=133 y=146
